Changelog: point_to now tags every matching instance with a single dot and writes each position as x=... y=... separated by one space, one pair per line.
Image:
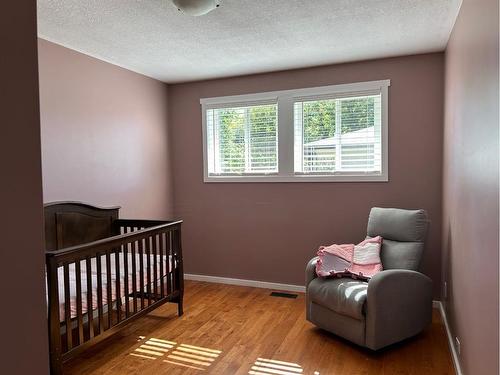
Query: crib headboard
x=74 y=223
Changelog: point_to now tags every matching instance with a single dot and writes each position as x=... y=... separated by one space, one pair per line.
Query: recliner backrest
x=404 y=233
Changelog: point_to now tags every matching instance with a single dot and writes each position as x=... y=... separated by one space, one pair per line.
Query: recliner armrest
x=395 y=280
x=311 y=271
x=399 y=305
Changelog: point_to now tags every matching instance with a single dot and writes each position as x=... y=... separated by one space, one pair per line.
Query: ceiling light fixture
x=196 y=7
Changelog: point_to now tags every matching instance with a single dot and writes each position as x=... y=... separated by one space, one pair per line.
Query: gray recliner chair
x=395 y=304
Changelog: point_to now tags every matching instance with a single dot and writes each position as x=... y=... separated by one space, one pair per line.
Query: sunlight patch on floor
x=263 y=366
x=183 y=365
x=184 y=355
x=152 y=348
x=142 y=356
x=194 y=355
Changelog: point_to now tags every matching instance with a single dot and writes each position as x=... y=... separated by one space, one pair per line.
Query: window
x=330 y=133
x=243 y=140
x=338 y=135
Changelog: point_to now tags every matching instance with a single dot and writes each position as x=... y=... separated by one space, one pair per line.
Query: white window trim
x=285 y=99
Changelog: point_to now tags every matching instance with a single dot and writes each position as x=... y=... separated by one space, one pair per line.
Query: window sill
x=298 y=178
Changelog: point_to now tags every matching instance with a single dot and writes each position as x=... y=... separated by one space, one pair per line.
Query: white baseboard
x=243 y=282
x=451 y=344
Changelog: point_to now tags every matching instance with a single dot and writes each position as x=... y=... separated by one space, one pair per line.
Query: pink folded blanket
x=357 y=261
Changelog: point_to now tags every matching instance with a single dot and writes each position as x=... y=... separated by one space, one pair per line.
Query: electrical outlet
x=445 y=292
x=457 y=345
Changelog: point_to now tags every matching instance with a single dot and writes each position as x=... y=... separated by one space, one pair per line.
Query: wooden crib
x=103 y=272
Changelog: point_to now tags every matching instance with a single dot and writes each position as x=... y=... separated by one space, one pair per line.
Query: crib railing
x=147 y=272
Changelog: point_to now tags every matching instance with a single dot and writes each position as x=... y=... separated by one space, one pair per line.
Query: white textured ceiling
x=244 y=36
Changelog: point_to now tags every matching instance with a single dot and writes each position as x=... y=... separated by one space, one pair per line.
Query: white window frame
x=286 y=141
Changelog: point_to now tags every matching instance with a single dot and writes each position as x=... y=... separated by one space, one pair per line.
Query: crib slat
x=67 y=308
x=100 y=309
x=148 y=262
x=162 y=278
x=125 y=279
x=109 y=295
x=124 y=250
x=90 y=306
x=134 y=276
x=141 y=272
x=117 y=283
x=174 y=264
x=169 y=261
x=79 y=315
x=154 y=240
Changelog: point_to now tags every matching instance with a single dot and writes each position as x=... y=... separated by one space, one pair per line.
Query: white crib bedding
x=104 y=280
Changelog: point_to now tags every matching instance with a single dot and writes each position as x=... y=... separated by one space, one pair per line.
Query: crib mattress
x=167 y=267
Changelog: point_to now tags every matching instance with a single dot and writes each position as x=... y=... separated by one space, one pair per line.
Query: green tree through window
x=247 y=139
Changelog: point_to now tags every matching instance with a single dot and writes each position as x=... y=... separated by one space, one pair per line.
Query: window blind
x=338 y=135
x=242 y=139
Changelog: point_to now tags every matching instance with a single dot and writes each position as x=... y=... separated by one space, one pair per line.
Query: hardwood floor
x=241 y=330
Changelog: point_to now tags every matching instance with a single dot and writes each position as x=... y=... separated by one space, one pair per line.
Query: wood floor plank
x=241 y=330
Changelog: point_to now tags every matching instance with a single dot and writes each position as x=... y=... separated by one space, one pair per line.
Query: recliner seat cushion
x=343 y=295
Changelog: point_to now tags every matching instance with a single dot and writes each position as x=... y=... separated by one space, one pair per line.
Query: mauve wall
x=470 y=187
x=23 y=347
x=104 y=134
x=268 y=231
